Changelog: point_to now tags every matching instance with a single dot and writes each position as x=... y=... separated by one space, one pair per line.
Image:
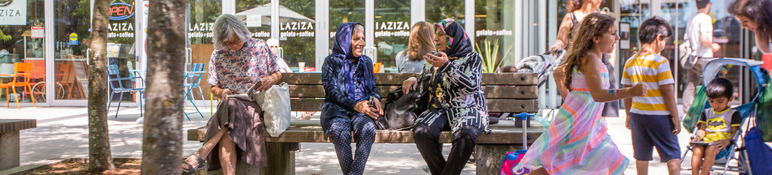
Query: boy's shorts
x=653 y=131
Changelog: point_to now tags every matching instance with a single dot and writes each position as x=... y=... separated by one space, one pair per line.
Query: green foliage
x=490 y=56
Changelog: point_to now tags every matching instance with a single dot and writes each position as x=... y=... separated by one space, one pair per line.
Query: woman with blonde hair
x=420 y=43
x=577 y=142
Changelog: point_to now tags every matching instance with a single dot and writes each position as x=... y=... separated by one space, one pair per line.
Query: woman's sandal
x=191 y=169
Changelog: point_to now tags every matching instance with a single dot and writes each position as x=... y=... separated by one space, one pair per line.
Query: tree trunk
x=99 y=155
x=162 y=137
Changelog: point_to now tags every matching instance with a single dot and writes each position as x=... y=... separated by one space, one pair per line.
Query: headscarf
x=341 y=48
x=458 y=43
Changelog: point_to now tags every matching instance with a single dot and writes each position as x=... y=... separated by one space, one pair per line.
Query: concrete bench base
x=9 y=140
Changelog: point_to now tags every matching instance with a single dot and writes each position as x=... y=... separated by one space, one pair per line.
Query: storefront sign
x=73 y=39
x=120 y=25
x=13 y=12
x=392 y=28
x=38 y=32
x=121 y=11
x=297 y=29
x=486 y=32
x=201 y=30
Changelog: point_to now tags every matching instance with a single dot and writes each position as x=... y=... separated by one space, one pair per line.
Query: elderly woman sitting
x=237 y=128
x=349 y=84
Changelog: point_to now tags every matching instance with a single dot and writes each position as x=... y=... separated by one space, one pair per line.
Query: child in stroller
x=716 y=126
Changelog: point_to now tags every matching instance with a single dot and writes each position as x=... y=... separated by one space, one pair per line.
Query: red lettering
x=121 y=10
x=113 y=10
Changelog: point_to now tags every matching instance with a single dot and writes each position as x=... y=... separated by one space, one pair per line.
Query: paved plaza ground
x=62 y=133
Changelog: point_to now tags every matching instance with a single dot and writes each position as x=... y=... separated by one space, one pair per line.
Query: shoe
x=426 y=169
x=141 y=120
x=200 y=166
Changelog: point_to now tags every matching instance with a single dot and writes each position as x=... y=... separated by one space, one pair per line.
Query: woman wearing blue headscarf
x=349 y=84
x=456 y=100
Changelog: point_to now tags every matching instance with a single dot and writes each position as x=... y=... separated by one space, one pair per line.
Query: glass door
x=71 y=38
x=392 y=30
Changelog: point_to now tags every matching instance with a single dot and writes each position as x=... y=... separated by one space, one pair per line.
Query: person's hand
x=364 y=108
x=409 y=85
x=266 y=83
x=639 y=89
x=627 y=122
x=696 y=138
x=437 y=61
x=715 y=47
x=721 y=144
x=676 y=126
x=555 y=48
x=378 y=106
x=225 y=92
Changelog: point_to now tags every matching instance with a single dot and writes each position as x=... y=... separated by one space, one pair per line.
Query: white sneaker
x=141 y=120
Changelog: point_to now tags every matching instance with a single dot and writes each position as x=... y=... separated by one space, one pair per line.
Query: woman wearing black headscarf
x=349 y=86
x=451 y=81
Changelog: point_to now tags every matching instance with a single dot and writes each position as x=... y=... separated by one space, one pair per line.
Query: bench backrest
x=505 y=92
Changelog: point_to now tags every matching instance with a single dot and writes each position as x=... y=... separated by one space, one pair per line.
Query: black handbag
x=400 y=111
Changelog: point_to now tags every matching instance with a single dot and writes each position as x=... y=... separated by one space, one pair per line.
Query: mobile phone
x=372 y=104
x=436 y=53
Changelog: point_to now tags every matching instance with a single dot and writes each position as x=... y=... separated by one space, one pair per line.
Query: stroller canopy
x=714 y=65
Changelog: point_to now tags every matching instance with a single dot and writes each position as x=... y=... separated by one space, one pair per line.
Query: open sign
x=121 y=11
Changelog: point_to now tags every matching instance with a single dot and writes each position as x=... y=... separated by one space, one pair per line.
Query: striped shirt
x=653 y=70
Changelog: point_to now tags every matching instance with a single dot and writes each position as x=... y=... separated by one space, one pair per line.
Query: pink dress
x=577 y=142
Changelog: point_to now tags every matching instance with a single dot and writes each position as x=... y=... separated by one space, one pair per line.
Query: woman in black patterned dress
x=451 y=81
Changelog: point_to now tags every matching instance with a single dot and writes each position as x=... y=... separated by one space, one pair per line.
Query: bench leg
x=281 y=158
x=9 y=149
x=489 y=157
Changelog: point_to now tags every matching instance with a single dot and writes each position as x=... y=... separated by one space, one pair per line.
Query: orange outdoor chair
x=20 y=78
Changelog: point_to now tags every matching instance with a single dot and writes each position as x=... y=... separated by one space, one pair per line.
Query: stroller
x=544 y=65
x=748 y=112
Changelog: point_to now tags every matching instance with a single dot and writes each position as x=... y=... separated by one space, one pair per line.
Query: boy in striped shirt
x=653 y=117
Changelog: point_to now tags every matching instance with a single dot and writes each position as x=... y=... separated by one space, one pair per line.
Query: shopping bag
x=275 y=103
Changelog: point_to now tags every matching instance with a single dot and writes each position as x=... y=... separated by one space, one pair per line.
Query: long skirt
x=244 y=120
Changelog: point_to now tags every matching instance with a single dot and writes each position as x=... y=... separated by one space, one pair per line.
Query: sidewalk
x=63 y=133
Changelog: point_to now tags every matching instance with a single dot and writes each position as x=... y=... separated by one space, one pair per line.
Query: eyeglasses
x=229 y=43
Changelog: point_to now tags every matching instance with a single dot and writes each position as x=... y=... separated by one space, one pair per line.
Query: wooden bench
x=509 y=92
x=9 y=140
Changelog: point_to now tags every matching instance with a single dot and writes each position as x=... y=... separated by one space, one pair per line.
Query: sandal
x=192 y=169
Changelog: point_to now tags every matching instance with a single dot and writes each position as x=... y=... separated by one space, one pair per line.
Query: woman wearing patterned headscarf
x=349 y=85
x=451 y=81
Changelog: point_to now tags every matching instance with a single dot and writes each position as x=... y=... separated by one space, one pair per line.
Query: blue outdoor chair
x=118 y=86
x=193 y=80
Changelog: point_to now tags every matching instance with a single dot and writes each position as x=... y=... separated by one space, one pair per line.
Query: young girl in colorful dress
x=577 y=142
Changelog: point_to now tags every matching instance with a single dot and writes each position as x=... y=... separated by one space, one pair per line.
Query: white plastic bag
x=275 y=103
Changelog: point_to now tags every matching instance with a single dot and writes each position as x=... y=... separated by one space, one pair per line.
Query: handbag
x=399 y=111
x=275 y=103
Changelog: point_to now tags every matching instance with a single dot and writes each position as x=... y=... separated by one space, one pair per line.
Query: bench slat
x=310 y=132
x=494 y=105
x=491 y=92
x=397 y=78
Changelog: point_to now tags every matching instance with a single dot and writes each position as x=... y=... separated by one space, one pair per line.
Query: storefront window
x=437 y=10
x=494 y=25
x=392 y=30
x=298 y=23
x=343 y=12
x=22 y=41
x=257 y=16
x=203 y=13
x=72 y=38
